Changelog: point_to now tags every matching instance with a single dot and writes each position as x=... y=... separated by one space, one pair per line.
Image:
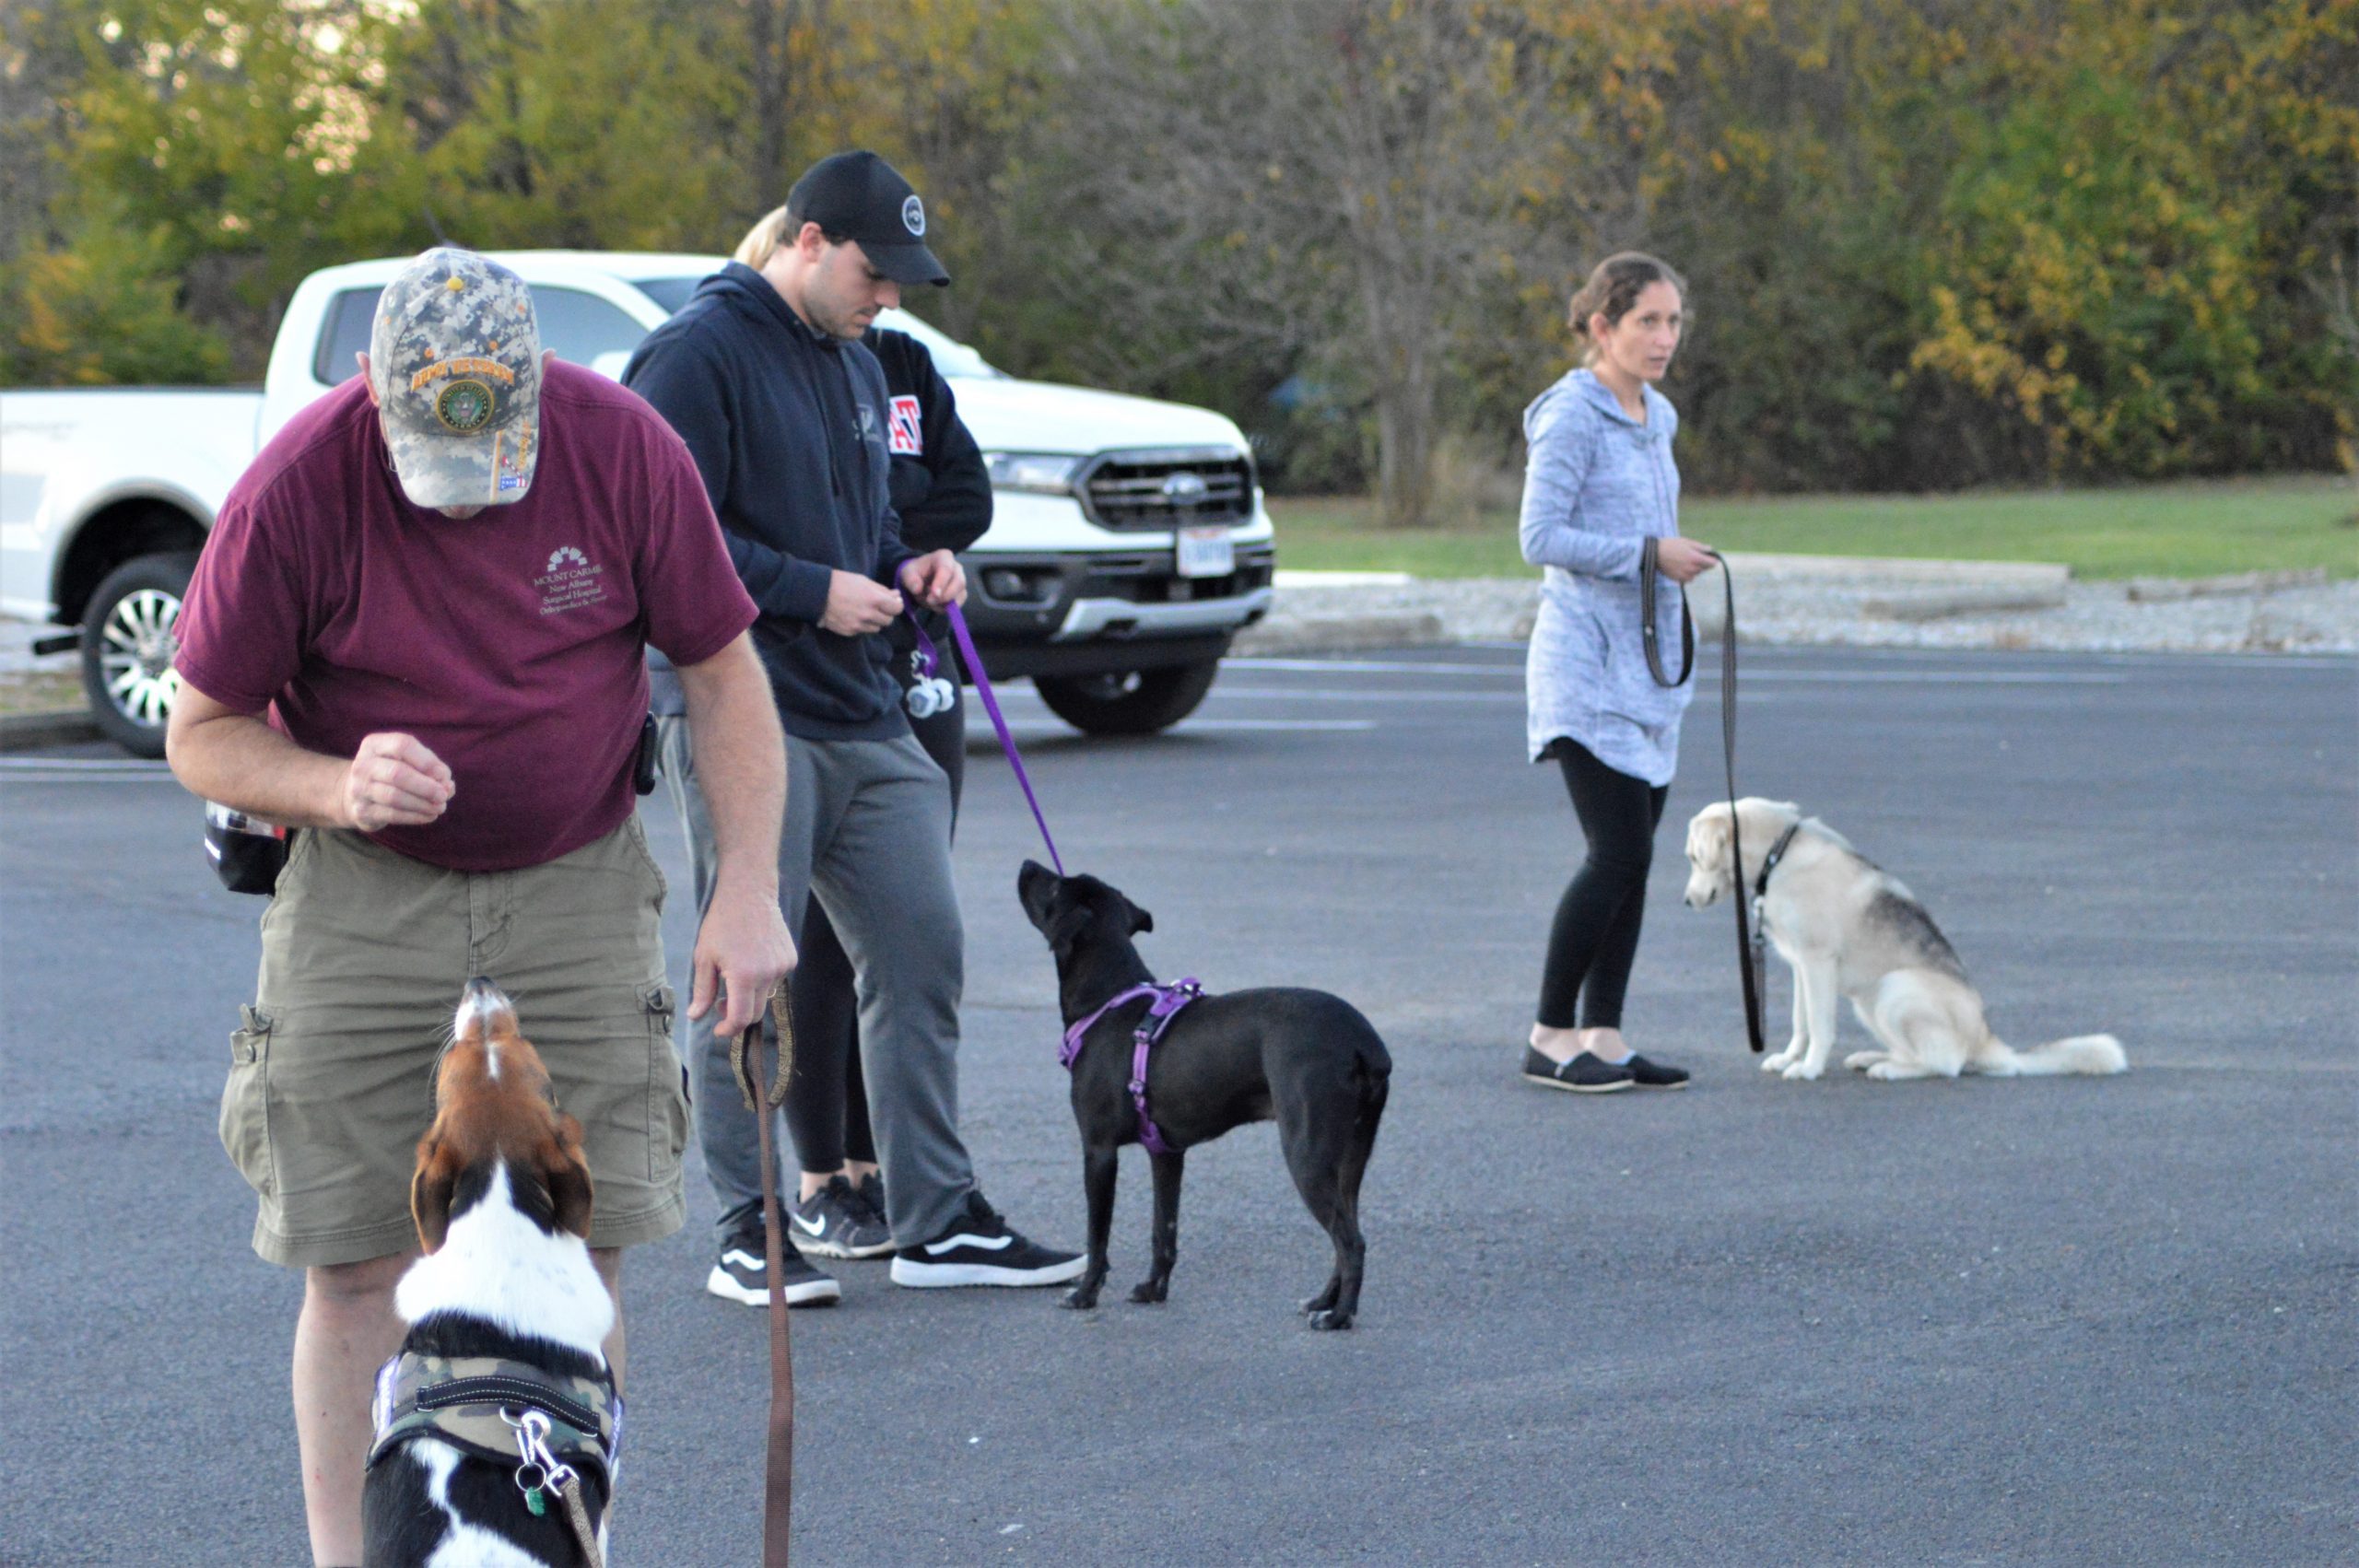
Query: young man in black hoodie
x=763 y=377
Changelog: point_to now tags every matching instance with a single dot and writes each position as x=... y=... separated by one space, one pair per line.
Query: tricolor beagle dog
x=495 y=1425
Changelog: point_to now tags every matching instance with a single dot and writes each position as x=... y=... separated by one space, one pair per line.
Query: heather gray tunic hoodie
x=1597 y=483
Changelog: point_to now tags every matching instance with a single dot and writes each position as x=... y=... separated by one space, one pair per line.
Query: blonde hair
x=770 y=230
x=1612 y=288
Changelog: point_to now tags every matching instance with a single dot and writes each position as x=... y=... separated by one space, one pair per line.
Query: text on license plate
x=1206 y=552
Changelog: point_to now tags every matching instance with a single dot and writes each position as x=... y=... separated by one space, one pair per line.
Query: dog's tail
x=2080 y=1053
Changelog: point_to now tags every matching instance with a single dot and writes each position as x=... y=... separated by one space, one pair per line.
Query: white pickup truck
x=1129 y=542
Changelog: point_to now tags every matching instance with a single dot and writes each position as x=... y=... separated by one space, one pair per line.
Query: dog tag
x=534 y=1491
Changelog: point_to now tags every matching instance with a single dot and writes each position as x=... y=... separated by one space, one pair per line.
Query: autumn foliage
x=1931 y=242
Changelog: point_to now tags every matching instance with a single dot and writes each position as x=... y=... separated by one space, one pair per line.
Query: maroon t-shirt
x=509 y=642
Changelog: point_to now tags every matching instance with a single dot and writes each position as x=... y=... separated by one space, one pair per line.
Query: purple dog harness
x=1168 y=1000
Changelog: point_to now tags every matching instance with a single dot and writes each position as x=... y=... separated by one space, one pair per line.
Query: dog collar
x=1777 y=853
x=1168 y=1000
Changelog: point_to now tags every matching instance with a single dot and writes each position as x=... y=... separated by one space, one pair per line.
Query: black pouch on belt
x=642 y=768
x=247 y=852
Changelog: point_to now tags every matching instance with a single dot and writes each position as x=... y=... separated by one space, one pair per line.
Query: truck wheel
x=127 y=648
x=1138 y=702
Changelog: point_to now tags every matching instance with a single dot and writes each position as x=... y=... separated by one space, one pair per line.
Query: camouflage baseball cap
x=456 y=354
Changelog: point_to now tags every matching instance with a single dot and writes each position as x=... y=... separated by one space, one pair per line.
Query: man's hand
x=394 y=781
x=936 y=580
x=857 y=605
x=1684 y=560
x=743 y=951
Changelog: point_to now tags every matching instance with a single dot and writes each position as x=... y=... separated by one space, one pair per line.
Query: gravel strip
x=2216 y=616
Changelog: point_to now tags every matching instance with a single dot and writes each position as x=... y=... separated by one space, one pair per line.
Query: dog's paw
x=1891 y=1072
x=1328 y=1318
x=1081 y=1298
x=1804 y=1069
x=1778 y=1061
x=1150 y=1292
x=1861 y=1062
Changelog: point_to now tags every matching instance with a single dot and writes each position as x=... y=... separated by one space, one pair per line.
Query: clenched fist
x=394 y=781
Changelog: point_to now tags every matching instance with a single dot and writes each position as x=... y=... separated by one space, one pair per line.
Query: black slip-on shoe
x=1584 y=1074
x=1654 y=1074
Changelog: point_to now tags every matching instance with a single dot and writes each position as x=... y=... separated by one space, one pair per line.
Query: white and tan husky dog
x=1848 y=929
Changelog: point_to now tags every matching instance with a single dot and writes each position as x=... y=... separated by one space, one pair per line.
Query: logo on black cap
x=859 y=197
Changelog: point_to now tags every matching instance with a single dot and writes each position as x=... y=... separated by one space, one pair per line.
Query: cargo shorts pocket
x=245 y=1100
x=667 y=1089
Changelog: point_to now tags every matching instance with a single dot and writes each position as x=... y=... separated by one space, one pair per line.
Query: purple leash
x=1168 y=1000
x=930 y=658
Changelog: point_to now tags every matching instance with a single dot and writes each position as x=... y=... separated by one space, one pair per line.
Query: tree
x=1328 y=178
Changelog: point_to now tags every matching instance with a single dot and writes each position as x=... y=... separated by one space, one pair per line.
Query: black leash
x=1748 y=951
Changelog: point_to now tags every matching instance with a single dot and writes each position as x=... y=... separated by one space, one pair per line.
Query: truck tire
x=127 y=648
x=1137 y=702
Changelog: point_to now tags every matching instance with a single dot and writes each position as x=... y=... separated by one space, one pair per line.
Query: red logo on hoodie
x=905 y=429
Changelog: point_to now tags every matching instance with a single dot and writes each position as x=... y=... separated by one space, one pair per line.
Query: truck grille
x=1178 y=487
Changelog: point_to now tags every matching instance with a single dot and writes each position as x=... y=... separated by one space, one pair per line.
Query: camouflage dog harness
x=508 y=1412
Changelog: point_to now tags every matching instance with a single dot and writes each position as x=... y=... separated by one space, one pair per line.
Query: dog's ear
x=1710 y=837
x=1140 y=920
x=567 y=1175
x=430 y=1189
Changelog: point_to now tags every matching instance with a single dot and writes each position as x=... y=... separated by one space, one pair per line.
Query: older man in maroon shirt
x=416 y=636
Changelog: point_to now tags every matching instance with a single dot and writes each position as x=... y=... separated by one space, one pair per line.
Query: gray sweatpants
x=867 y=832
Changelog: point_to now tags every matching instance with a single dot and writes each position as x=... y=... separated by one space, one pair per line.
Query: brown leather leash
x=1748 y=941
x=746 y=1064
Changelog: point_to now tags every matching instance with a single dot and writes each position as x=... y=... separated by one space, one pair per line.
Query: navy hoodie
x=788 y=427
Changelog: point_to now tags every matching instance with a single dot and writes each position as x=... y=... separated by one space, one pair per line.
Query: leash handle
x=929 y=657
x=1650 y=638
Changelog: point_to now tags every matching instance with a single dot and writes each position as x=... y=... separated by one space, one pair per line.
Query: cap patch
x=463 y=407
x=914 y=216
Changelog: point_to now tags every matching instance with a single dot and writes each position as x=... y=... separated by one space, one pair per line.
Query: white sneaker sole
x=943 y=1276
x=810 y=1292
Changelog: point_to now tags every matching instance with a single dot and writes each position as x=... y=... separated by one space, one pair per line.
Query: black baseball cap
x=859 y=196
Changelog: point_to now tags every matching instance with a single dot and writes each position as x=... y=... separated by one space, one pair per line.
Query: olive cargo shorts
x=363 y=955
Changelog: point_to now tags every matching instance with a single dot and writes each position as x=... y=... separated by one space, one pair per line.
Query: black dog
x=1303 y=1058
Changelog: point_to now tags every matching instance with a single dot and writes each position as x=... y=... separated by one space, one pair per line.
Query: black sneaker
x=741 y=1275
x=1586 y=1074
x=980 y=1249
x=1654 y=1074
x=871 y=1188
x=835 y=1222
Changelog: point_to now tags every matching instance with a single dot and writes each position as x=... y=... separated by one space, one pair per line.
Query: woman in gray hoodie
x=1600 y=483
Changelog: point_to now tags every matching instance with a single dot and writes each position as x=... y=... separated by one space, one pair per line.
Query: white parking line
x=1186 y=725
x=80 y=770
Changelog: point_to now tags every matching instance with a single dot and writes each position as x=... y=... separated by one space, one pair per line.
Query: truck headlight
x=1042 y=473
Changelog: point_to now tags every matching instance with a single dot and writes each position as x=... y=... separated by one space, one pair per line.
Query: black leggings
x=826 y=1100
x=1596 y=931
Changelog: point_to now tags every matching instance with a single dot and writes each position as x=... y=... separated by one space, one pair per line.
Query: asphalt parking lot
x=2072 y=1321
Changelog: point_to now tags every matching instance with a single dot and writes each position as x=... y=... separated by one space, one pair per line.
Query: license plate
x=1206 y=552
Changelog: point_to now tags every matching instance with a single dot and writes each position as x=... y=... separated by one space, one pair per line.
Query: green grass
x=2205 y=529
